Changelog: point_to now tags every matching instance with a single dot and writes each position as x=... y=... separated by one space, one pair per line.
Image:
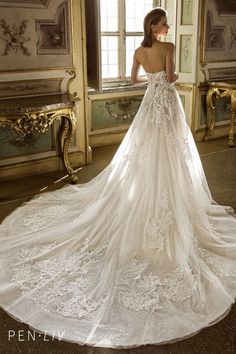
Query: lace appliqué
x=217 y=266
x=211 y=259
x=146 y=150
x=170 y=138
x=146 y=291
x=186 y=149
x=156 y=229
x=159 y=96
x=64 y=282
x=36 y=221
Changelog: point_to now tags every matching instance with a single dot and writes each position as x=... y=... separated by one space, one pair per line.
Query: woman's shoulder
x=169 y=45
x=139 y=50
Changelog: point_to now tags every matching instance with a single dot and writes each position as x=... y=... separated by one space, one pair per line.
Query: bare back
x=152 y=59
x=159 y=57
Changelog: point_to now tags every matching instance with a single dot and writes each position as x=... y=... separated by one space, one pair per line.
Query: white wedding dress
x=140 y=254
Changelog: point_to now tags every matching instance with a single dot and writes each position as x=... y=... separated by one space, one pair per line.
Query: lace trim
x=186 y=149
x=64 y=281
x=147 y=290
x=211 y=259
x=38 y=220
x=156 y=230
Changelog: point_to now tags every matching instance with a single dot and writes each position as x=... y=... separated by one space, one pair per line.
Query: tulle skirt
x=141 y=254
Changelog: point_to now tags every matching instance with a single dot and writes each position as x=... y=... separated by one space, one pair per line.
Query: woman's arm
x=135 y=79
x=170 y=65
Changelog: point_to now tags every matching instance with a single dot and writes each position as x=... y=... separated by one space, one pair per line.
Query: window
x=114 y=29
x=121 y=33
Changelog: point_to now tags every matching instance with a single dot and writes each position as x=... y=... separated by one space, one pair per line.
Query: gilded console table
x=27 y=116
x=221 y=90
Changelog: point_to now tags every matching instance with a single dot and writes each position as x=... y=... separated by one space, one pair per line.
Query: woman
x=140 y=254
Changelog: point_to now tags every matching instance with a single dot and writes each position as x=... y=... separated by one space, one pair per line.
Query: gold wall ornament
x=27 y=116
x=72 y=73
x=220 y=90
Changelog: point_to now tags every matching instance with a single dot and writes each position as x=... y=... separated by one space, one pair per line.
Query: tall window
x=121 y=33
x=114 y=29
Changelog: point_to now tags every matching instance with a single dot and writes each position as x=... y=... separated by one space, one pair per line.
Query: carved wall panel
x=25 y=3
x=222 y=74
x=219 y=31
x=226 y=7
x=111 y=113
x=187 y=12
x=54 y=34
x=14 y=146
x=185 y=53
x=35 y=39
x=30 y=87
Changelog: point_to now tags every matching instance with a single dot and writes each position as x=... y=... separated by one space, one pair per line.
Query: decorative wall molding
x=54 y=34
x=30 y=87
x=187 y=12
x=226 y=7
x=36 y=83
x=218 y=31
x=214 y=35
x=25 y=3
x=14 y=37
x=222 y=74
x=123 y=109
x=187 y=38
x=185 y=60
x=233 y=38
x=113 y=113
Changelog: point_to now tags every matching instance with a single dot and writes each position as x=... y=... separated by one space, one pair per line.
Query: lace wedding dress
x=140 y=254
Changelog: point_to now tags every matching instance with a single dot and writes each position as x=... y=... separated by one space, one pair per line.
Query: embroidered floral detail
x=159 y=96
x=157 y=229
x=146 y=290
x=179 y=284
x=186 y=149
x=216 y=265
x=143 y=294
x=35 y=251
x=146 y=151
x=36 y=221
x=211 y=259
x=170 y=138
x=62 y=281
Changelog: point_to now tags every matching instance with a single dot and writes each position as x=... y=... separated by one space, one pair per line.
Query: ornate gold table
x=27 y=116
x=221 y=90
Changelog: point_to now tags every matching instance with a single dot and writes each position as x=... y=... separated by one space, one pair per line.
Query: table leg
x=232 y=122
x=67 y=130
x=210 y=114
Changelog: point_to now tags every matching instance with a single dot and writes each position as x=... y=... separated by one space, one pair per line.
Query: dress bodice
x=157 y=83
x=159 y=76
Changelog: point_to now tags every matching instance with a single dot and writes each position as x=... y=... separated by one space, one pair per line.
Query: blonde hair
x=152 y=18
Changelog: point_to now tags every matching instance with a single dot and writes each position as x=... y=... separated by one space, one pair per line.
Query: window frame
x=122 y=34
x=97 y=83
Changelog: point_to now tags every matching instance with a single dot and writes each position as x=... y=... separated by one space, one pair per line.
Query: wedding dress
x=140 y=254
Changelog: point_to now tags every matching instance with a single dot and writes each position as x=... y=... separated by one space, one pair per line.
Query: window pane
x=109 y=15
x=132 y=42
x=109 y=57
x=135 y=12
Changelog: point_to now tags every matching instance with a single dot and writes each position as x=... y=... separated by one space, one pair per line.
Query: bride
x=140 y=254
